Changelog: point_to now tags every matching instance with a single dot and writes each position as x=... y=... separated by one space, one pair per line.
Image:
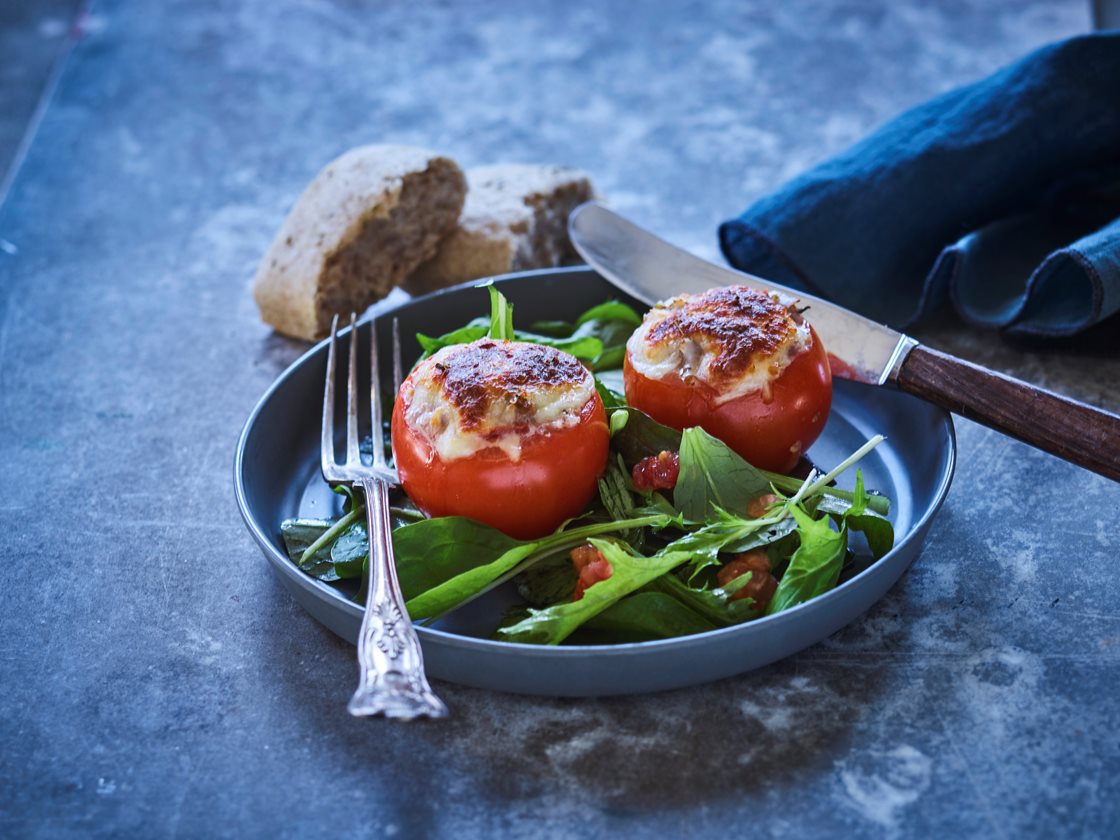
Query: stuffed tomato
x=742 y=364
x=507 y=433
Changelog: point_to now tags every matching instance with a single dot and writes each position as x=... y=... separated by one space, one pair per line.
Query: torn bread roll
x=366 y=221
x=515 y=218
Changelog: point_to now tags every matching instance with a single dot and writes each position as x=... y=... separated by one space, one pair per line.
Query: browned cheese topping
x=734 y=338
x=488 y=392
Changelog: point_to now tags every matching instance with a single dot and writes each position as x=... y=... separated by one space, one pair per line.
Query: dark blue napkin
x=1002 y=197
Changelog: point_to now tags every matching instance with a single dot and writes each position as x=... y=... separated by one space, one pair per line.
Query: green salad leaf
x=712 y=475
x=350 y=550
x=876 y=529
x=715 y=605
x=640 y=436
x=610 y=323
x=815 y=565
x=492 y=559
x=501 y=315
x=433 y=551
x=552 y=579
x=630 y=572
x=598 y=338
x=642 y=617
x=299 y=535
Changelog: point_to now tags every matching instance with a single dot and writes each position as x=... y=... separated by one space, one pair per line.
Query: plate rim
x=282 y=563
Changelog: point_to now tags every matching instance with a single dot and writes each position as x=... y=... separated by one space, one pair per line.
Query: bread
x=515 y=218
x=366 y=221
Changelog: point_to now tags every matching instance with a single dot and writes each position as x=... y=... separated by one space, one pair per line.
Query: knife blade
x=651 y=270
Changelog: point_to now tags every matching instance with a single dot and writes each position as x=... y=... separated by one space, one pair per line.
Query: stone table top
x=156 y=678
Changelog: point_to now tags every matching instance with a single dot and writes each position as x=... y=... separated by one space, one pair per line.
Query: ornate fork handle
x=391 y=678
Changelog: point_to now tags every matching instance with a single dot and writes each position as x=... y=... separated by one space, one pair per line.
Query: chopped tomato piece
x=760 y=587
x=657 y=472
x=591 y=566
x=757 y=507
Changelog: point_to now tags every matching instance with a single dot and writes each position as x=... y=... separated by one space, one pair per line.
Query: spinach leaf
x=584 y=348
x=815 y=565
x=642 y=617
x=612 y=310
x=299 y=535
x=434 y=551
x=630 y=572
x=712 y=474
x=609 y=323
x=350 y=551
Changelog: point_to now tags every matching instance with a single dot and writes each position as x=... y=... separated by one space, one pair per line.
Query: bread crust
x=366 y=221
x=515 y=218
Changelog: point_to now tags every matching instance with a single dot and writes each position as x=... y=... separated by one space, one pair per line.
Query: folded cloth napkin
x=1002 y=197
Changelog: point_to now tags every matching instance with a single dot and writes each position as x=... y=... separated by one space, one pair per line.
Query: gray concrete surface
x=34 y=38
x=156 y=679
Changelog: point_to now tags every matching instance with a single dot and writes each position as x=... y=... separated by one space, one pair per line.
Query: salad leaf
x=584 y=348
x=547 y=582
x=815 y=565
x=763 y=537
x=611 y=399
x=609 y=323
x=644 y=616
x=598 y=338
x=614 y=489
x=301 y=534
x=712 y=474
x=464 y=335
x=489 y=568
x=612 y=310
x=641 y=436
x=350 y=551
x=715 y=605
x=878 y=530
x=434 y=551
x=723 y=529
x=501 y=314
x=630 y=572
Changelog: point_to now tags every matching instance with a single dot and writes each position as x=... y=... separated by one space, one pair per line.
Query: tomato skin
x=554 y=480
x=770 y=434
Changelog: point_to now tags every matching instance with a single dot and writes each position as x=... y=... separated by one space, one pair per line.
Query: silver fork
x=391 y=678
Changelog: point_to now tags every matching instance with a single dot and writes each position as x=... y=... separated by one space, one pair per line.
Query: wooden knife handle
x=1074 y=431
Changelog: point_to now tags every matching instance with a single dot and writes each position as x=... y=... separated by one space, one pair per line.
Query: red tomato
x=554 y=479
x=771 y=431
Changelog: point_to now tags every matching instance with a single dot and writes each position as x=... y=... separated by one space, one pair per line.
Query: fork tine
x=375 y=397
x=353 y=452
x=326 y=441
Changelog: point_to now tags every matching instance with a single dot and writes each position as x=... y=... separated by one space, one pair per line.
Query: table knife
x=859 y=349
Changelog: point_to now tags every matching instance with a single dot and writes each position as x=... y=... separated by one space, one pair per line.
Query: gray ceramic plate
x=277 y=476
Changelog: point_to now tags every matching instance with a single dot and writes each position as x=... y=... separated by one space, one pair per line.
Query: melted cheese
x=700 y=354
x=467 y=398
